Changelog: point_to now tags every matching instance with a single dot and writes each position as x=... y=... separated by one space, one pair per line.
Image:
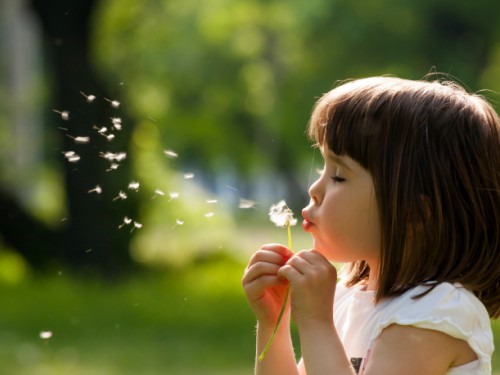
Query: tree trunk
x=91 y=241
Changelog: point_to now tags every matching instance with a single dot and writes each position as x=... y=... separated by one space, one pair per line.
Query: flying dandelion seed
x=64 y=114
x=90 y=98
x=114 y=103
x=178 y=222
x=173 y=195
x=158 y=192
x=45 y=335
x=134 y=185
x=71 y=156
x=188 y=176
x=81 y=140
x=137 y=225
x=119 y=156
x=110 y=137
x=211 y=201
x=209 y=214
x=121 y=195
x=126 y=221
x=246 y=204
x=170 y=153
x=117 y=123
x=102 y=130
x=97 y=190
x=113 y=167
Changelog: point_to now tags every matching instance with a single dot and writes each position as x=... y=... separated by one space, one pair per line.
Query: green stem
x=282 y=312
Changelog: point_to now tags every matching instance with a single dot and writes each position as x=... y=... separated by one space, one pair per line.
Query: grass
x=180 y=322
x=183 y=322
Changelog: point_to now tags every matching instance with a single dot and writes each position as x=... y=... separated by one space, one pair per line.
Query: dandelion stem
x=268 y=345
x=285 y=301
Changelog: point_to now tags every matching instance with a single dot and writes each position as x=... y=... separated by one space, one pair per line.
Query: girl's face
x=342 y=215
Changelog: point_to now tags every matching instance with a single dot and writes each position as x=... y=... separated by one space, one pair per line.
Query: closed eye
x=338 y=179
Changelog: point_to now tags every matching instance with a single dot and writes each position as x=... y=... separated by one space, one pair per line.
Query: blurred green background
x=142 y=142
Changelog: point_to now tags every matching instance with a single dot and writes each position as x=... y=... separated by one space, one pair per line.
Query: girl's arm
x=313 y=279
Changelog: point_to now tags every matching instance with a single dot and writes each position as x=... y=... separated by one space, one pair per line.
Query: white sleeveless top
x=448 y=308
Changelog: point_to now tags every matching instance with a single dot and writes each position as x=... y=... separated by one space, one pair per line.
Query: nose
x=315 y=191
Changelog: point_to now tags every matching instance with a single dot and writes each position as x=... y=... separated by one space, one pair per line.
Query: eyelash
x=338 y=179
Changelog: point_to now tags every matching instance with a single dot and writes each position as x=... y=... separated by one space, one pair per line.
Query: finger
x=289 y=273
x=256 y=288
x=260 y=269
x=311 y=255
x=299 y=263
x=267 y=256
x=278 y=248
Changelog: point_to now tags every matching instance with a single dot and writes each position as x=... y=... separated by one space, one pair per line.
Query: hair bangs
x=343 y=123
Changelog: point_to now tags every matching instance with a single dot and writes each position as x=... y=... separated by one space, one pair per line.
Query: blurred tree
x=89 y=239
x=229 y=85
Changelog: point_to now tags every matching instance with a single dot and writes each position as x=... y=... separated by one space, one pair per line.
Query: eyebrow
x=339 y=160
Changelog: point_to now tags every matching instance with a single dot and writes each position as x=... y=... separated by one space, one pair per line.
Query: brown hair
x=433 y=151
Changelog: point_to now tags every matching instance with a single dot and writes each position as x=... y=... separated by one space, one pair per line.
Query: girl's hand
x=264 y=289
x=312 y=281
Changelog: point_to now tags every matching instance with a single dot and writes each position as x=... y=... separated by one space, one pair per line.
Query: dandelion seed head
x=110 y=137
x=65 y=115
x=179 y=222
x=115 y=103
x=281 y=215
x=188 y=176
x=173 y=195
x=102 y=130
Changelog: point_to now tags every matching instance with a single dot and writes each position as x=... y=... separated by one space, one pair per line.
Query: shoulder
x=447 y=313
x=412 y=350
x=449 y=305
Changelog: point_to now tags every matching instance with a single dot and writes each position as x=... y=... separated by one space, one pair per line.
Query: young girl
x=409 y=198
